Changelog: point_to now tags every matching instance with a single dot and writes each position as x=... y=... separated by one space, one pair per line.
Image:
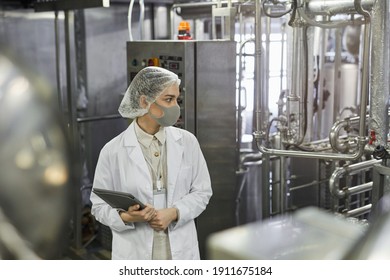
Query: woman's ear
x=142 y=102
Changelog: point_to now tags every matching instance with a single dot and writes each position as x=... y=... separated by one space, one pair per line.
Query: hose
x=129 y=19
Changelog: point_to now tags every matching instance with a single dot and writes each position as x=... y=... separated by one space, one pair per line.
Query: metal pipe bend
x=334 y=186
x=326 y=156
x=335 y=130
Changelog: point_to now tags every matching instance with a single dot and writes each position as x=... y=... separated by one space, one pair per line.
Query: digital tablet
x=120 y=200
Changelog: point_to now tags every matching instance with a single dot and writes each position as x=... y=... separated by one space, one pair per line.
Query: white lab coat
x=122 y=167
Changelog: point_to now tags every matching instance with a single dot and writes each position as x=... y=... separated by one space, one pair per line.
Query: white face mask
x=169 y=117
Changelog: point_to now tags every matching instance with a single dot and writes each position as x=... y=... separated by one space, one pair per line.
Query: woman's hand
x=163 y=218
x=133 y=214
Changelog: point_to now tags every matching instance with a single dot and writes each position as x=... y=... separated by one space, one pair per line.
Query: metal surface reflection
x=35 y=167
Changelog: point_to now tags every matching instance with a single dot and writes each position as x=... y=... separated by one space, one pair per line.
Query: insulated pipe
x=328 y=23
x=380 y=72
x=350 y=169
x=366 y=58
x=328 y=8
x=333 y=7
x=335 y=130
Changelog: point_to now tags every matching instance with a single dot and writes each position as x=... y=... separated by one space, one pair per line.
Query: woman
x=162 y=166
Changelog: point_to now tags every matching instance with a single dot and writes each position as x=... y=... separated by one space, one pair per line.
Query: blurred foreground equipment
x=35 y=166
x=308 y=234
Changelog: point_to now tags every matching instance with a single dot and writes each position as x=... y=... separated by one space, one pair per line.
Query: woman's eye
x=169 y=99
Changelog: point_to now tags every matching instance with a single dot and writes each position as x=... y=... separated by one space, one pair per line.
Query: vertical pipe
x=172 y=22
x=242 y=27
x=283 y=31
x=267 y=55
x=295 y=62
x=72 y=125
x=239 y=118
x=141 y=19
x=303 y=89
x=324 y=40
x=58 y=59
x=213 y=24
x=153 y=21
x=379 y=102
x=283 y=188
x=69 y=21
x=336 y=80
x=366 y=72
x=277 y=172
x=265 y=187
x=260 y=120
x=238 y=108
x=294 y=100
x=311 y=59
x=380 y=72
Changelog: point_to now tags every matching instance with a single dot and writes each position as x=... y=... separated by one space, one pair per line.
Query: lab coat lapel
x=134 y=151
x=175 y=150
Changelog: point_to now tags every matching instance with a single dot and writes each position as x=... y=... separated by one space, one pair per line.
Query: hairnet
x=151 y=82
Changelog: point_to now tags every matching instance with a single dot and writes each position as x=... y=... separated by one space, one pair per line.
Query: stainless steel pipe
x=334 y=7
x=363 y=100
x=335 y=131
x=379 y=86
x=326 y=156
x=358 y=211
x=261 y=104
x=334 y=186
x=360 y=188
x=327 y=9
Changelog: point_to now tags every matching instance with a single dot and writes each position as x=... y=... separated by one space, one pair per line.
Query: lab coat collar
x=134 y=150
x=130 y=138
x=145 y=138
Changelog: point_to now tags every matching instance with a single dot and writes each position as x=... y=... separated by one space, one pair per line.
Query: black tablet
x=120 y=200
